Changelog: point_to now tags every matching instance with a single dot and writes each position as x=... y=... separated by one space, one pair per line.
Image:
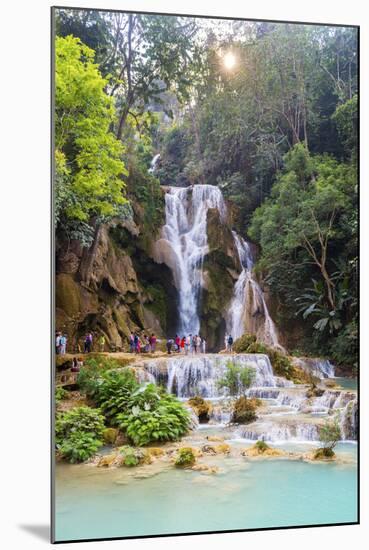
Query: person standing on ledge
x=178 y=343
x=63 y=344
x=57 y=343
x=169 y=345
x=152 y=343
x=102 y=343
x=203 y=345
x=88 y=342
x=230 y=343
x=187 y=344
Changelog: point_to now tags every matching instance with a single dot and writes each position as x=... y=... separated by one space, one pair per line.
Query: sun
x=229 y=60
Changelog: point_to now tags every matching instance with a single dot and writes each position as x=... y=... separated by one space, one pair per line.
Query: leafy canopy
x=88 y=156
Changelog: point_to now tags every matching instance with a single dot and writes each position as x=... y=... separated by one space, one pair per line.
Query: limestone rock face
x=221 y=270
x=111 y=297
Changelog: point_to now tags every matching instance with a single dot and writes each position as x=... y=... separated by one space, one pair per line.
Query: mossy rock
x=244 y=410
x=185 y=458
x=67 y=295
x=201 y=407
x=110 y=436
x=107 y=461
x=223 y=449
x=155 y=451
x=324 y=453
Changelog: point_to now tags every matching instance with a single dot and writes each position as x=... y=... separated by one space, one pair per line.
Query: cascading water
x=248 y=310
x=154 y=163
x=183 y=245
x=286 y=412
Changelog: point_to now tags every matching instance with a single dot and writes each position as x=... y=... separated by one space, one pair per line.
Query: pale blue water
x=97 y=503
x=346 y=383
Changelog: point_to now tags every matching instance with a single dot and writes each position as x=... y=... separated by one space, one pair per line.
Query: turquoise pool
x=98 y=503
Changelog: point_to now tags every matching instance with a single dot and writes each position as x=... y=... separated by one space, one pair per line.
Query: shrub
x=244 y=410
x=60 y=394
x=153 y=415
x=89 y=377
x=261 y=446
x=237 y=378
x=242 y=344
x=78 y=433
x=185 y=458
x=113 y=392
x=329 y=435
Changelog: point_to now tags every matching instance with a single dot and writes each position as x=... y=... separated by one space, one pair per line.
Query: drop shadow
x=40 y=531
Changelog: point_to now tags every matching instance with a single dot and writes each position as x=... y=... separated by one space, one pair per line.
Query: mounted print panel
x=205 y=262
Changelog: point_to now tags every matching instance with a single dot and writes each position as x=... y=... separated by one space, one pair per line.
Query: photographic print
x=205 y=267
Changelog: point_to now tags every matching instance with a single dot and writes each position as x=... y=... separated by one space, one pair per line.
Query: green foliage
x=330 y=434
x=88 y=156
x=131 y=456
x=237 y=378
x=346 y=119
x=91 y=374
x=78 y=433
x=60 y=394
x=185 y=458
x=261 y=446
x=153 y=415
x=307 y=231
x=244 y=410
x=113 y=392
x=242 y=344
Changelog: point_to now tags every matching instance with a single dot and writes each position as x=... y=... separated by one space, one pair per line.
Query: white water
x=183 y=245
x=248 y=311
x=154 y=163
x=322 y=368
x=199 y=374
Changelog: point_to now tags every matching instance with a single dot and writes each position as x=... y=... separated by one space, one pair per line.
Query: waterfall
x=349 y=421
x=274 y=432
x=248 y=311
x=199 y=374
x=154 y=163
x=322 y=368
x=183 y=245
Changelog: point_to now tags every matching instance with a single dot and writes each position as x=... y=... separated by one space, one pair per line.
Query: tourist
x=178 y=343
x=187 y=344
x=198 y=344
x=147 y=344
x=194 y=344
x=230 y=343
x=132 y=342
x=102 y=343
x=183 y=343
x=153 y=343
x=137 y=343
x=169 y=345
x=57 y=343
x=63 y=344
x=88 y=342
x=203 y=345
x=226 y=341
